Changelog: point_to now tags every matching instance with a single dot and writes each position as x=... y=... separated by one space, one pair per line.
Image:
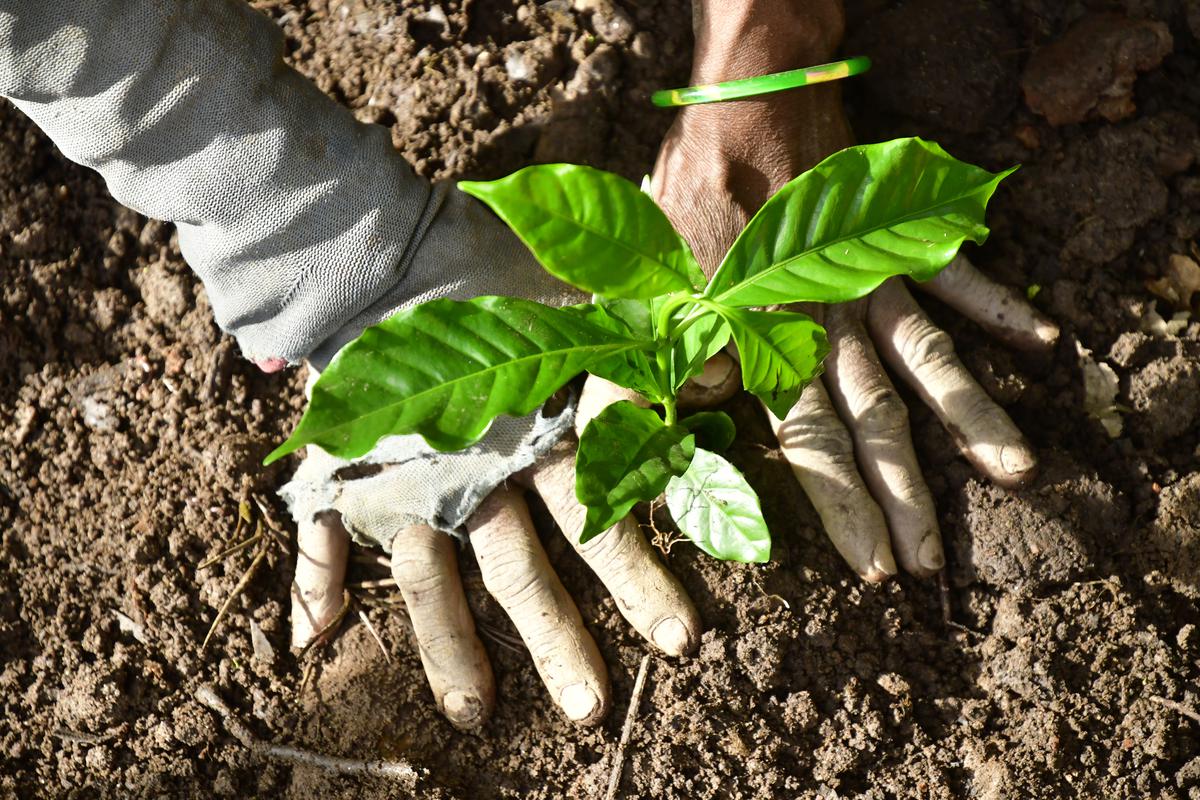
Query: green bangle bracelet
x=762 y=84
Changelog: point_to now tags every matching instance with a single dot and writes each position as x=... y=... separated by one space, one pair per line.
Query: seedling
x=446 y=369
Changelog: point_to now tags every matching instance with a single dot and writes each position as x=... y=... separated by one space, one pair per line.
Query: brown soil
x=129 y=431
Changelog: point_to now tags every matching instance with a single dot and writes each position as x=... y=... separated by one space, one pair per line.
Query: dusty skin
x=1061 y=659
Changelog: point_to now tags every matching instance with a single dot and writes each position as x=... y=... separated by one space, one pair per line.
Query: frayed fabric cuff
x=403 y=482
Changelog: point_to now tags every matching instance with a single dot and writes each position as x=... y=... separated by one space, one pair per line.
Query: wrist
x=743 y=38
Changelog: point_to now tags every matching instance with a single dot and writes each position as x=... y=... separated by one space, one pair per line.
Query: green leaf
x=780 y=351
x=714 y=507
x=632 y=369
x=714 y=430
x=862 y=215
x=592 y=229
x=445 y=369
x=700 y=342
x=626 y=455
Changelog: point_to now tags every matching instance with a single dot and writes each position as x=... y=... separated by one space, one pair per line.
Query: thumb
x=718 y=382
x=597 y=395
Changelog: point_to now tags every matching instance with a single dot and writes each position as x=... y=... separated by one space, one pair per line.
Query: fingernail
x=671 y=636
x=883 y=564
x=578 y=701
x=715 y=372
x=269 y=365
x=1016 y=459
x=462 y=708
x=930 y=555
x=1046 y=330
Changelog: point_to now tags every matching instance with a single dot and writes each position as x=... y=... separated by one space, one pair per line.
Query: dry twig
x=387 y=769
x=227 y=552
x=366 y=621
x=1190 y=713
x=375 y=583
x=323 y=635
x=237 y=590
x=618 y=767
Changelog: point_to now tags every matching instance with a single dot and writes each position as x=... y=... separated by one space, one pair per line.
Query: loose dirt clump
x=1060 y=658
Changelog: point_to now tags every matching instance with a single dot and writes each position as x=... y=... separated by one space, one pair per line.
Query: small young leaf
x=714 y=430
x=862 y=215
x=445 y=369
x=626 y=455
x=714 y=507
x=592 y=229
x=781 y=352
x=700 y=342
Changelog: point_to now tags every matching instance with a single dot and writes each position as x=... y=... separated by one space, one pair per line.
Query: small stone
x=1092 y=68
x=1187 y=638
x=262 y=646
x=97 y=415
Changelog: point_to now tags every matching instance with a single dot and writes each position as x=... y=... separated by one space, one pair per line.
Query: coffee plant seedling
x=445 y=369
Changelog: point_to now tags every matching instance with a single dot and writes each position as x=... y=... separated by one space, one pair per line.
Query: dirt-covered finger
x=878 y=421
x=647 y=594
x=597 y=395
x=426 y=570
x=517 y=573
x=821 y=452
x=719 y=381
x=323 y=547
x=924 y=356
x=999 y=309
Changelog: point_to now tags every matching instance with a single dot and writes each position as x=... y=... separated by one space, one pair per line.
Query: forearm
x=742 y=38
x=296 y=216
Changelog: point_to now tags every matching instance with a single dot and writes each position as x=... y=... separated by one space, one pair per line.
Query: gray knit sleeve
x=298 y=218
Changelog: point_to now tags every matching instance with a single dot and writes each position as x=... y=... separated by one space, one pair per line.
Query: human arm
x=848 y=438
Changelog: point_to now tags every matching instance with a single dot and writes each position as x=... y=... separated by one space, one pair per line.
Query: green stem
x=665 y=339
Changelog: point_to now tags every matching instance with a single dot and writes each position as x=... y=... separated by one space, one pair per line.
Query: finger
x=819 y=448
x=323 y=547
x=1000 y=310
x=878 y=420
x=426 y=570
x=518 y=574
x=924 y=355
x=597 y=395
x=719 y=381
x=648 y=596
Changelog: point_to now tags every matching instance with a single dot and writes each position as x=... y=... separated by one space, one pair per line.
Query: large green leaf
x=626 y=455
x=593 y=229
x=862 y=215
x=445 y=369
x=780 y=351
x=714 y=507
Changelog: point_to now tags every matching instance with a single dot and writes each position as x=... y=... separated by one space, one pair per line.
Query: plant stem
x=665 y=339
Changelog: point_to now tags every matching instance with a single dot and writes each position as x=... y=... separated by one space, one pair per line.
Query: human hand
x=389 y=497
x=847 y=438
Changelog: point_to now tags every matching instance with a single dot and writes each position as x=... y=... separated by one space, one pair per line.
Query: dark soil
x=1059 y=658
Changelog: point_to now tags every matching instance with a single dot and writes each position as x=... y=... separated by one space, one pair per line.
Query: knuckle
x=419 y=562
x=514 y=579
x=820 y=432
x=418 y=585
x=883 y=416
x=928 y=347
x=613 y=554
